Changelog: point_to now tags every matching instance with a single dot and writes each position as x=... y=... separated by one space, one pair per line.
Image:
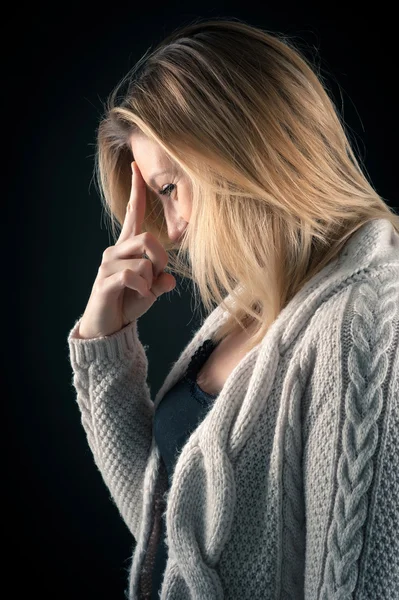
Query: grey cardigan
x=289 y=486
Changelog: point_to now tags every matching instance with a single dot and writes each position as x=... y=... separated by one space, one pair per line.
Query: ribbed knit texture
x=289 y=487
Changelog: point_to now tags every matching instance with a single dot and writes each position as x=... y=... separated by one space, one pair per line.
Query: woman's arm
x=109 y=376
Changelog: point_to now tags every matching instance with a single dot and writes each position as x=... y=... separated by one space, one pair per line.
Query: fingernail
x=131 y=164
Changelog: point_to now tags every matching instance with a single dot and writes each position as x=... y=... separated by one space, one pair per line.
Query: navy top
x=179 y=412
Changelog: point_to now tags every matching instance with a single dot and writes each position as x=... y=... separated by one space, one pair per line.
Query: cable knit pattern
x=288 y=488
x=381 y=578
x=368 y=361
x=292 y=561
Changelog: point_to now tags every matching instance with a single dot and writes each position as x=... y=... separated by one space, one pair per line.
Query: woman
x=264 y=468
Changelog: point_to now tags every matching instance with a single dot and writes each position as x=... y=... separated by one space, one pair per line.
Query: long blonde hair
x=276 y=187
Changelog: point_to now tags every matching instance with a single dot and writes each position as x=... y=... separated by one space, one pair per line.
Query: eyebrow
x=155 y=175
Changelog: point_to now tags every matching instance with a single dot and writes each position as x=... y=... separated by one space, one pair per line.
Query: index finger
x=135 y=209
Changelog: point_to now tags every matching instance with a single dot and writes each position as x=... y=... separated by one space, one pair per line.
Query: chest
x=221 y=362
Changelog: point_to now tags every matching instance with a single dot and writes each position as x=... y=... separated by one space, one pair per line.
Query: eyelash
x=164 y=192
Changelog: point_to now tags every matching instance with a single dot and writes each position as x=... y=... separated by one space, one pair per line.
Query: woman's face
x=151 y=160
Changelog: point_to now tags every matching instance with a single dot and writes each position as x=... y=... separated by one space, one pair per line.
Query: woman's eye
x=165 y=192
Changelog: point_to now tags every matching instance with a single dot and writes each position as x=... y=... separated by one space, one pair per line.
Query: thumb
x=164 y=283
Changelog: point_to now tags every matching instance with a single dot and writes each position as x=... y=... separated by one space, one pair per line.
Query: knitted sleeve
x=109 y=377
x=351 y=453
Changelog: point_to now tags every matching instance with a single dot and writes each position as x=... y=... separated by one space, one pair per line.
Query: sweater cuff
x=110 y=347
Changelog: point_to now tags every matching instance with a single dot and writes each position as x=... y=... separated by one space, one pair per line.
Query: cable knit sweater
x=289 y=487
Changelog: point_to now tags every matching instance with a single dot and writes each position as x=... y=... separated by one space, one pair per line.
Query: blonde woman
x=266 y=466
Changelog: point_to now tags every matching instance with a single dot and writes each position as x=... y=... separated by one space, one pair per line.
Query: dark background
x=64 y=537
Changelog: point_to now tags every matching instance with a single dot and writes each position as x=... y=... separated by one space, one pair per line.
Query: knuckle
x=125 y=275
x=147 y=237
x=106 y=254
x=98 y=286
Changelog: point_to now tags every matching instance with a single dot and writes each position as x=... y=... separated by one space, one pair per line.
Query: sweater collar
x=373 y=247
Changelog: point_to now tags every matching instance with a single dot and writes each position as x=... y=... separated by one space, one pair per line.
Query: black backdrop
x=64 y=537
